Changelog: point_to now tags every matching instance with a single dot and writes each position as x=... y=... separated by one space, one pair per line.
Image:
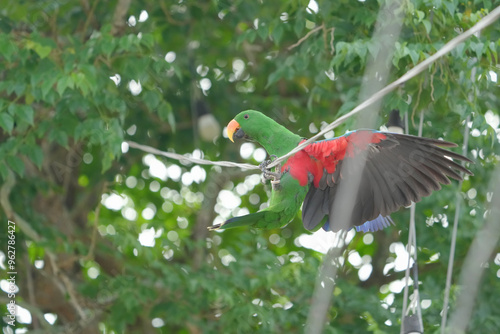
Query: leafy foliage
x=79 y=78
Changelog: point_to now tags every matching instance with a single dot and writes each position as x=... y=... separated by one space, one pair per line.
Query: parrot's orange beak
x=232 y=127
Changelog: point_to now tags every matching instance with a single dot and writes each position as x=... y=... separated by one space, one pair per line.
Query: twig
x=90 y=17
x=300 y=41
x=90 y=254
x=417 y=102
x=449 y=273
x=412 y=241
x=31 y=289
x=9 y=212
x=332 y=38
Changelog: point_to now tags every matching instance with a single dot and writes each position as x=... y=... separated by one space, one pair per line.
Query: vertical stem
x=412 y=241
x=449 y=273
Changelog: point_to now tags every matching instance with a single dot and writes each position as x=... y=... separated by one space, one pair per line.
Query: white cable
x=181 y=157
x=483 y=23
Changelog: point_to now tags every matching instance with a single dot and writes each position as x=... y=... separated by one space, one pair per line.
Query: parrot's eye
x=246 y=116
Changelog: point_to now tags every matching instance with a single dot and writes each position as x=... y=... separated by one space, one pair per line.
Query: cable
x=483 y=23
x=181 y=157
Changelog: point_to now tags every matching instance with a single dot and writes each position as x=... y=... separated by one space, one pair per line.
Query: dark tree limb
x=119 y=21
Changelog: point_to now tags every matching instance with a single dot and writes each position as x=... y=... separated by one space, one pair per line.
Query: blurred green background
x=110 y=239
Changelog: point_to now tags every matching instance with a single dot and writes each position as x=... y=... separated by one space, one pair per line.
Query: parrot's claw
x=267 y=174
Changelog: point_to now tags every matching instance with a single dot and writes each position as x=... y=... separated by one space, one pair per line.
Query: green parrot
x=399 y=169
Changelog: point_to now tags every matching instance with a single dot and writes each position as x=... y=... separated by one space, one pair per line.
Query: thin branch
x=64 y=283
x=31 y=287
x=35 y=312
x=417 y=102
x=90 y=17
x=9 y=212
x=412 y=241
x=119 y=21
x=300 y=41
x=90 y=254
x=449 y=273
x=332 y=39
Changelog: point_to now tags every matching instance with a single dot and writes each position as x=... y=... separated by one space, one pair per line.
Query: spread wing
x=399 y=169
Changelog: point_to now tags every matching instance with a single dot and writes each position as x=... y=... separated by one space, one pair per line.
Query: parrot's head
x=249 y=124
x=255 y=126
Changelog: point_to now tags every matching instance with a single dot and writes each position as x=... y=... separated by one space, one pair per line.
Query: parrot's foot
x=267 y=174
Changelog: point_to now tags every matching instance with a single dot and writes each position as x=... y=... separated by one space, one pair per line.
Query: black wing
x=399 y=170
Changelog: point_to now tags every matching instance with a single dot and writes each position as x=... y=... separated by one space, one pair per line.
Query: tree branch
x=60 y=278
x=119 y=21
x=300 y=41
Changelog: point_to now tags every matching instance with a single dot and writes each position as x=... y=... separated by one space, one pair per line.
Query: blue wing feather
x=375 y=225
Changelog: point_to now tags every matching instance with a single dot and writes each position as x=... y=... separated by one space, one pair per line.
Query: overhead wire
x=182 y=157
x=483 y=23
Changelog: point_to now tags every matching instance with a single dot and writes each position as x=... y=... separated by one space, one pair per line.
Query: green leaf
x=166 y=114
x=263 y=31
x=16 y=164
x=35 y=154
x=107 y=160
x=148 y=40
x=25 y=114
x=81 y=82
x=458 y=51
x=275 y=76
x=298 y=27
x=65 y=82
x=414 y=55
x=360 y=49
x=420 y=15
x=7 y=48
x=6 y=122
x=59 y=137
x=108 y=45
x=277 y=33
x=427 y=25
x=477 y=48
x=42 y=50
x=151 y=99
x=4 y=171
